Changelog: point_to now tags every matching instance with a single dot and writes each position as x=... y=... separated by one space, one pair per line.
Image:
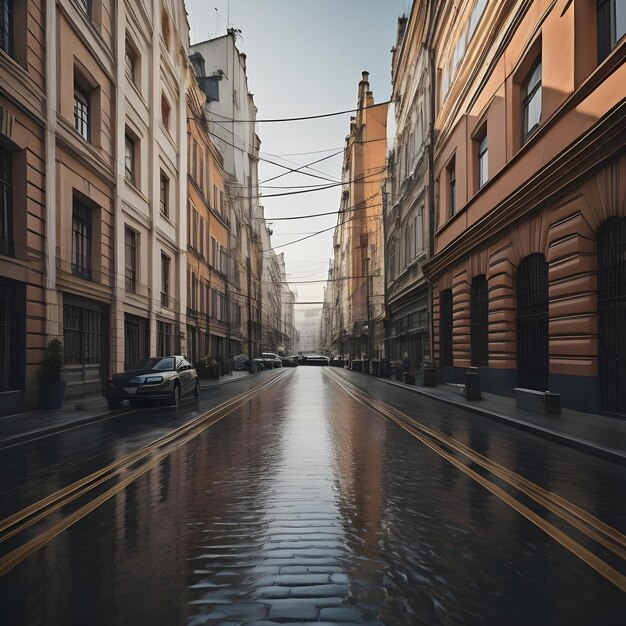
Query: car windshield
x=159 y=364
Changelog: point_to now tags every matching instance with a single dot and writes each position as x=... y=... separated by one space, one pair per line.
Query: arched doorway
x=532 y=323
x=612 y=315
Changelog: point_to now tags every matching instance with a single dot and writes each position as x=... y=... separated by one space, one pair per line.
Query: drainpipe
x=431 y=175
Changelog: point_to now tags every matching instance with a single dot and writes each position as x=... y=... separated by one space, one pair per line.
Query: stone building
x=151 y=188
x=358 y=263
x=221 y=71
x=24 y=282
x=529 y=265
x=407 y=198
x=213 y=315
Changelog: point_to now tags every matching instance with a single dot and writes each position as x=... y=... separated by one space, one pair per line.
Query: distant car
x=289 y=361
x=313 y=359
x=165 y=378
x=241 y=363
x=272 y=358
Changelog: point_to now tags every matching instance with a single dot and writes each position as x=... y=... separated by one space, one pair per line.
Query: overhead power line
x=354 y=207
x=320 y=188
x=300 y=118
x=319 y=232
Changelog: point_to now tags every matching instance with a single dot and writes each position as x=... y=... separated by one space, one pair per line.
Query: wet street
x=309 y=495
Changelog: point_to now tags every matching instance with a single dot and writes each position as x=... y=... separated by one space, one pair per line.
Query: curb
x=584 y=445
x=225 y=382
x=31 y=435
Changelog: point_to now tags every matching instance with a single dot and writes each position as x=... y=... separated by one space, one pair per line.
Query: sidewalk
x=600 y=435
x=21 y=427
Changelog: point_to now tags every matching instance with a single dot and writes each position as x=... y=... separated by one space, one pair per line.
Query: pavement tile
x=315 y=569
x=293 y=580
x=340 y=614
x=320 y=591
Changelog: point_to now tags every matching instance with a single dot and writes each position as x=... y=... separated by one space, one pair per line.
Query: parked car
x=289 y=361
x=166 y=378
x=272 y=358
x=241 y=363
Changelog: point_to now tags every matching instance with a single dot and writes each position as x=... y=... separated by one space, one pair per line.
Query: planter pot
x=51 y=394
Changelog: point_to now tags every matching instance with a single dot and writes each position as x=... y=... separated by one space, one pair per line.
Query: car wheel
x=113 y=403
x=175 y=400
x=196 y=390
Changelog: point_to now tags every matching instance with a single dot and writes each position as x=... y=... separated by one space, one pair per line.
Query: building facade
x=213 y=316
x=407 y=204
x=82 y=224
x=529 y=265
x=358 y=264
x=221 y=71
x=151 y=131
x=23 y=197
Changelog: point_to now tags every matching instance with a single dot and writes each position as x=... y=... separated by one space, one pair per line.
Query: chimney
x=364 y=88
x=401 y=29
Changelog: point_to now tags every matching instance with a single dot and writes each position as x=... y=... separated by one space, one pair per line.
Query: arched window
x=479 y=314
x=532 y=323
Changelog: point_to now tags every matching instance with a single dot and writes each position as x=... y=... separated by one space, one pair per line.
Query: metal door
x=612 y=315
x=532 y=323
x=479 y=319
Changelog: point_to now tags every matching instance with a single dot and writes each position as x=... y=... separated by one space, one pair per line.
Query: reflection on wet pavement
x=305 y=507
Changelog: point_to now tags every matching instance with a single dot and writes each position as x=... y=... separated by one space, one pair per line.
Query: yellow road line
x=37 y=512
x=543 y=497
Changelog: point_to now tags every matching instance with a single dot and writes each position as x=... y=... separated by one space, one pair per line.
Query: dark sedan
x=166 y=378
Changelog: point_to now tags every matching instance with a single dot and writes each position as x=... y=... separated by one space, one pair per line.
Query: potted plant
x=51 y=385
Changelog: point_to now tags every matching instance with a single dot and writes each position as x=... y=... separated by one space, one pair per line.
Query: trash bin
x=472 y=385
x=430 y=376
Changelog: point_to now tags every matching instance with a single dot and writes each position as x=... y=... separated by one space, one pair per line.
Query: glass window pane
x=620 y=19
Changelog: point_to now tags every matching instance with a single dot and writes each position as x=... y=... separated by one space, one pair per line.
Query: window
x=165 y=111
x=6 y=204
x=81 y=239
x=164 y=195
x=165 y=30
x=85 y=5
x=164 y=339
x=81 y=112
x=130 y=61
x=6 y=26
x=165 y=280
x=611 y=24
x=129 y=159
x=483 y=160
x=451 y=169
x=531 y=102
x=130 y=243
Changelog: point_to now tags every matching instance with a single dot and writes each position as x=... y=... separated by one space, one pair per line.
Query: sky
x=305 y=58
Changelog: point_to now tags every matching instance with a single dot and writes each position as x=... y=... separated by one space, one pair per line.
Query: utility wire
x=320 y=188
x=354 y=207
x=282 y=156
x=232 y=145
x=330 y=156
x=304 y=117
x=319 y=232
